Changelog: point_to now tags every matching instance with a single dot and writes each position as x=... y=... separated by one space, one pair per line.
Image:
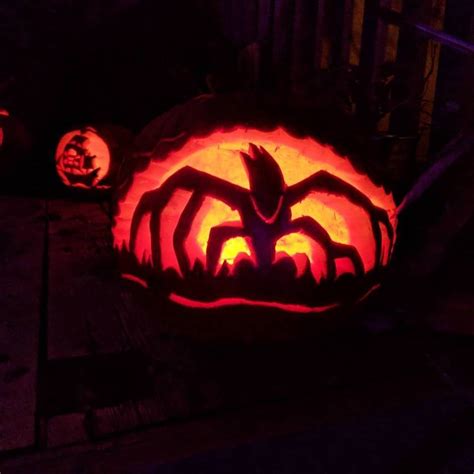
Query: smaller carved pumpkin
x=3 y=113
x=13 y=134
x=15 y=147
x=89 y=157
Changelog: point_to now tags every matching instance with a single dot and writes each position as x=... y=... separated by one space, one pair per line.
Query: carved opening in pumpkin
x=82 y=158
x=256 y=218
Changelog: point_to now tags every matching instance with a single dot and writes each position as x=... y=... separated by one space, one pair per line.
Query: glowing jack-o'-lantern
x=3 y=113
x=15 y=147
x=89 y=158
x=257 y=218
x=83 y=159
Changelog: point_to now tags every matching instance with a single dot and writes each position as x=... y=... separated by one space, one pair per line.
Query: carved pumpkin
x=3 y=113
x=254 y=217
x=15 y=147
x=13 y=135
x=88 y=158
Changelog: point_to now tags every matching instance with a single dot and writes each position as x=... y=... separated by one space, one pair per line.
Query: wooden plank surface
x=281 y=43
x=342 y=12
x=372 y=55
x=418 y=409
x=412 y=61
x=302 y=52
x=84 y=323
x=101 y=379
x=435 y=17
x=22 y=230
x=320 y=53
x=83 y=305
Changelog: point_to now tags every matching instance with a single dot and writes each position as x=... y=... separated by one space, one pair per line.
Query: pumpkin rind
x=294 y=280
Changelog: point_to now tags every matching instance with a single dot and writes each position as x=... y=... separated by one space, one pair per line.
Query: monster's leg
x=153 y=202
x=183 y=228
x=333 y=249
x=218 y=236
x=328 y=183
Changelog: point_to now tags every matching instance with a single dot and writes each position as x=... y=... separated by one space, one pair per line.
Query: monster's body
x=265 y=213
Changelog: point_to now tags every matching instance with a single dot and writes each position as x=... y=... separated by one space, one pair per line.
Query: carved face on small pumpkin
x=256 y=218
x=82 y=159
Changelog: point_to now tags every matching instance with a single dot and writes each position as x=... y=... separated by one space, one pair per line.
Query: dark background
x=70 y=62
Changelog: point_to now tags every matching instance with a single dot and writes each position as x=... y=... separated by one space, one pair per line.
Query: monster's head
x=267 y=184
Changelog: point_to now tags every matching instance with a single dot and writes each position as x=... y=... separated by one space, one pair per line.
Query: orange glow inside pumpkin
x=219 y=154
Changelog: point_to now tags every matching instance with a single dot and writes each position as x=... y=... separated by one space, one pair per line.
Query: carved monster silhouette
x=265 y=213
